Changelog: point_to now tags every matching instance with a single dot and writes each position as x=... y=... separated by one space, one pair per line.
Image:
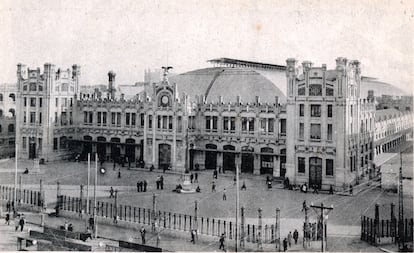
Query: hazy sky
x=130 y=36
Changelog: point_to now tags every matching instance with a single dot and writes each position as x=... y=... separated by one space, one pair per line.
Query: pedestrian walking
x=289 y=237
x=22 y=222
x=157 y=181
x=304 y=205
x=269 y=185
x=142 y=231
x=111 y=192
x=196 y=178
x=119 y=173
x=193 y=234
x=16 y=222
x=285 y=244
x=213 y=187
x=7 y=219
x=8 y=206
x=224 y=194
x=222 y=242
x=162 y=182
x=243 y=186
x=331 y=189
x=234 y=180
x=145 y=185
x=215 y=174
x=114 y=164
x=191 y=178
x=351 y=190
x=138 y=186
x=295 y=236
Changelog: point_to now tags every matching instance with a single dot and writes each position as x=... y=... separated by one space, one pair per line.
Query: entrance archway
x=315 y=172
x=32 y=148
x=247 y=161
x=282 y=162
x=266 y=160
x=211 y=157
x=130 y=149
x=115 y=149
x=229 y=158
x=101 y=148
x=164 y=156
x=87 y=146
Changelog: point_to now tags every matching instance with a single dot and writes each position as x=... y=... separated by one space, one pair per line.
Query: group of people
x=288 y=240
x=19 y=221
x=142 y=186
x=67 y=227
x=216 y=172
x=160 y=183
x=194 y=178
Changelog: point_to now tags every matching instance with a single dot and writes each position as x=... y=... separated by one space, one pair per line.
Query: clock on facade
x=164 y=100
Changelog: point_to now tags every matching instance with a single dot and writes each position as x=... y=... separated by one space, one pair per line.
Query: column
x=256 y=164
x=144 y=147
x=219 y=159
x=276 y=166
x=174 y=147
x=153 y=137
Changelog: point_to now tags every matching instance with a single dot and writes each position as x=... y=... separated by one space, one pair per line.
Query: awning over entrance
x=383 y=158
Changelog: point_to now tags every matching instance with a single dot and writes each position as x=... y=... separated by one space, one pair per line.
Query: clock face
x=164 y=100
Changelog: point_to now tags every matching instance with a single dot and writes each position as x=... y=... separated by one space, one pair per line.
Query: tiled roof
x=228 y=83
x=389 y=113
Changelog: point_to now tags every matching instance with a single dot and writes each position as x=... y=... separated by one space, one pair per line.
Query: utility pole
x=87 y=186
x=277 y=236
x=237 y=207
x=15 y=177
x=306 y=226
x=322 y=208
x=81 y=201
x=242 y=233
x=259 y=232
x=58 y=198
x=42 y=216
x=95 y=229
x=401 y=237
x=20 y=189
x=154 y=213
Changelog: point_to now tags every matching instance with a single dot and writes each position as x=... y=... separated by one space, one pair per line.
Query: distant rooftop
x=229 y=62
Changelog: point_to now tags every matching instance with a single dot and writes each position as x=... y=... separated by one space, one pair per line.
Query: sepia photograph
x=206 y=125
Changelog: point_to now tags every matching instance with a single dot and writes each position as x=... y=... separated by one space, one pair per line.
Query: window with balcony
x=315 y=110
x=63 y=119
x=118 y=119
x=127 y=118
x=32 y=117
x=271 y=125
x=150 y=121
x=283 y=126
x=315 y=90
x=208 y=121
x=133 y=119
x=301 y=131
x=315 y=132
x=104 y=118
x=113 y=118
x=142 y=119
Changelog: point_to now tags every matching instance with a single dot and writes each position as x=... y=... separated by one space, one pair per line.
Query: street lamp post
x=322 y=208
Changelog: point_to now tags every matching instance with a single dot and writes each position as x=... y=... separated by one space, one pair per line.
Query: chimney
x=111 y=84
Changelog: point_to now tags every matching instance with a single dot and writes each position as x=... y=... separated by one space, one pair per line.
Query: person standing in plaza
x=295 y=236
x=221 y=240
x=16 y=222
x=138 y=185
x=7 y=219
x=119 y=173
x=215 y=174
x=193 y=233
x=114 y=165
x=213 y=186
x=224 y=194
x=142 y=231
x=234 y=180
x=243 y=187
x=145 y=185
x=8 y=206
x=22 y=222
x=162 y=182
x=285 y=244
x=111 y=192
x=191 y=178
x=289 y=238
x=196 y=177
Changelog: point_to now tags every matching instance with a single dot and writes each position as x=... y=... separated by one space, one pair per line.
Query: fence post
x=174 y=222
x=218 y=227
x=242 y=232
x=165 y=219
x=259 y=231
x=208 y=224
x=134 y=215
x=230 y=230
x=169 y=219
x=212 y=228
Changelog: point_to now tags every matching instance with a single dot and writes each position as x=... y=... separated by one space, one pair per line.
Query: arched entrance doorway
x=101 y=148
x=247 y=161
x=229 y=158
x=266 y=160
x=87 y=146
x=32 y=148
x=164 y=156
x=211 y=157
x=115 y=149
x=130 y=149
x=315 y=172
x=282 y=162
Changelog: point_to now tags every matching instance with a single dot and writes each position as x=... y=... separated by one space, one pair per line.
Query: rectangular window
x=127 y=118
x=24 y=117
x=65 y=102
x=180 y=123
x=118 y=119
x=70 y=118
x=301 y=165
x=191 y=122
x=301 y=110
x=63 y=119
x=271 y=125
x=56 y=118
x=232 y=124
x=25 y=102
x=133 y=119
x=164 y=122
x=225 y=123
x=170 y=122
x=113 y=118
x=329 y=111
x=329 y=167
x=208 y=119
x=71 y=102
x=142 y=117
x=57 y=102
x=40 y=118
x=215 y=118
x=32 y=117
x=55 y=143
x=104 y=118
x=315 y=110
x=329 y=136
x=150 y=121
x=85 y=118
x=301 y=131
x=98 y=117
x=244 y=124
x=283 y=126
x=32 y=102
x=40 y=102
x=251 y=124
x=315 y=131
x=263 y=125
x=352 y=110
x=24 y=142
x=159 y=121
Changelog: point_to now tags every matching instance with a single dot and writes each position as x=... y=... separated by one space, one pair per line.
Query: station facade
x=320 y=132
